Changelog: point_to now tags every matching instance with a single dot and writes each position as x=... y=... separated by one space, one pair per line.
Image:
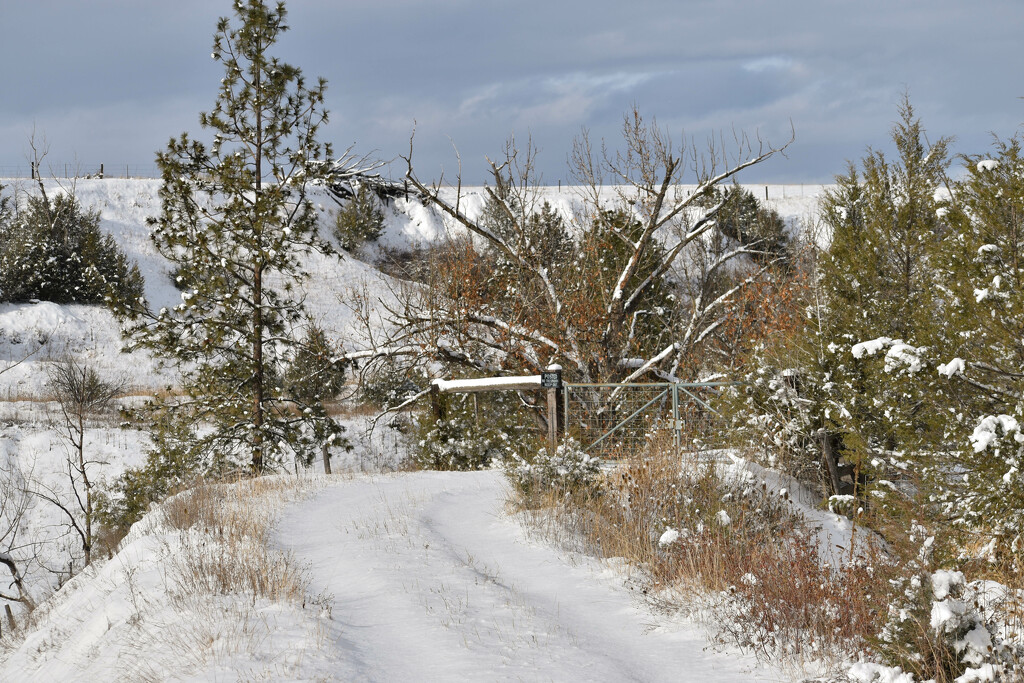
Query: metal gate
x=618 y=420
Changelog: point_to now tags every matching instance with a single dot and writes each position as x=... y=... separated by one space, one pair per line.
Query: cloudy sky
x=112 y=80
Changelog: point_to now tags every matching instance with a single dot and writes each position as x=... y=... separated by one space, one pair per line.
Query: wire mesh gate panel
x=619 y=420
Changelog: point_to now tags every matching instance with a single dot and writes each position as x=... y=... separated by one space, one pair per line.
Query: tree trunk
x=257 y=294
x=87 y=507
x=828 y=455
x=257 y=378
x=326 y=450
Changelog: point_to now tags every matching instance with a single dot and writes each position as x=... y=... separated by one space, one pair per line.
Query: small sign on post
x=552 y=377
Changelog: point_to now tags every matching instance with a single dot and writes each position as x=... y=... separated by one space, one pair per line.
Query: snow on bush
x=943 y=625
x=569 y=469
x=952 y=368
x=461 y=443
x=991 y=428
x=668 y=538
x=904 y=357
x=870 y=348
x=842 y=504
x=900 y=356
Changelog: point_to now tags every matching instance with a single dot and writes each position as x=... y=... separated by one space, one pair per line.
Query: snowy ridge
x=92 y=333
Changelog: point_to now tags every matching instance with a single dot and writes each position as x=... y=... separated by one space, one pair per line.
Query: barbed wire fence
x=78 y=169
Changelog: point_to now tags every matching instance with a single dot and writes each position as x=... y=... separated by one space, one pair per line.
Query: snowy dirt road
x=429 y=580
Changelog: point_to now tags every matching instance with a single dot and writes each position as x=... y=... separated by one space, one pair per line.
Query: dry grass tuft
x=757 y=579
x=238 y=560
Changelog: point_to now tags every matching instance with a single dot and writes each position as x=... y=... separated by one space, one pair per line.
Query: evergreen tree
x=744 y=219
x=981 y=348
x=313 y=375
x=606 y=248
x=236 y=220
x=856 y=383
x=6 y=209
x=539 y=236
x=360 y=220
x=881 y=297
x=54 y=250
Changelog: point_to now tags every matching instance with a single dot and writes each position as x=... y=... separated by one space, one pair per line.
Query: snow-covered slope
x=125 y=206
x=92 y=333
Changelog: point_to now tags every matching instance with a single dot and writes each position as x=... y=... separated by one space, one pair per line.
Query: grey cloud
x=118 y=77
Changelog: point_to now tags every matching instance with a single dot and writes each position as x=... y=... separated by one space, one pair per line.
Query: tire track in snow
x=431 y=581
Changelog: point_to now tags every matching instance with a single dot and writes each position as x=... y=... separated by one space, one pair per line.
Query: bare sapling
x=80 y=393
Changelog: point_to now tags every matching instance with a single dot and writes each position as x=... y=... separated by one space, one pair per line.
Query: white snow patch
x=953 y=367
x=870 y=348
x=869 y=672
x=904 y=356
x=943 y=581
x=946 y=614
x=986 y=673
x=991 y=428
x=669 y=537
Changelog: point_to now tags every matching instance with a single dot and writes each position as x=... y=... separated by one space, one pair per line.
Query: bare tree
x=15 y=500
x=14 y=503
x=627 y=286
x=80 y=393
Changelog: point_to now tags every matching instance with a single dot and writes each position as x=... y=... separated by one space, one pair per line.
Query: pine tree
x=746 y=220
x=856 y=383
x=881 y=296
x=236 y=219
x=982 y=346
x=360 y=220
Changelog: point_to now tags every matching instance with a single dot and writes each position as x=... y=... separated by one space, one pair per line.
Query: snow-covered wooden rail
x=453 y=386
x=550 y=379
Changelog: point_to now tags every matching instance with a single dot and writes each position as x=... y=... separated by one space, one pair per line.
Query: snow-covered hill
x=124 y=206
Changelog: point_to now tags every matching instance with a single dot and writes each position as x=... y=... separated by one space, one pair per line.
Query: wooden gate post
x=436 y=407
x=551 y=379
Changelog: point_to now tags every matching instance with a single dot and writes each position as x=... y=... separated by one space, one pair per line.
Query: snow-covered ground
x=431 y=580
x=427 y=576
x=414 y=576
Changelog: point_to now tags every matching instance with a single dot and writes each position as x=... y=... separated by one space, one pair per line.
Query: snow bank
x=140 y=616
